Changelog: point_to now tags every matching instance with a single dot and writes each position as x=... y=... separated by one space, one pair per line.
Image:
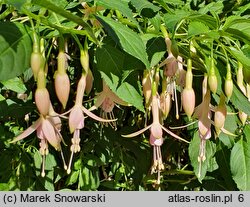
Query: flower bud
x=243 y=117
x=240 y=78
x=36 y=63
x=213 y=83
x=42 y=101
x=84 y=59
x=246 y=73
x=212 y=79
x=188 y=101
x=42 y=98
x=62 y=87
x=220 y=114
x=228 y=87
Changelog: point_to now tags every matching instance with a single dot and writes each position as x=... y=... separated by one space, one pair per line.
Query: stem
x=164 y=31
x=67 y=15
x=36 y=48
x=60 y=28
x=189 y=74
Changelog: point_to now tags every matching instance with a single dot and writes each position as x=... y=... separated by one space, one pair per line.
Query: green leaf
x=239 y=55
x=15 y=49
x=223 y=160
x=216 y=7
x=197 y=28
x=9 y=108
x=4 y=187
x=240 y=164
x=240 y=101
x=2 y=98
x=58 y=10
x=48 y=184
x=128 y=93
x=128 y=40
x=236 y=22
x=145 y=8
x=121 y=5
x=15 y=84
x=90 y=178
x=115 y=67
x=171 y=20
x=156 y=48
x=237 y=27
x=110 y=63
x=206 y=19
x=73 y=177
x=16 y=3
x=209 y=164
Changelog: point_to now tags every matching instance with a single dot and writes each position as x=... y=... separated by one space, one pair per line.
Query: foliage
x=125 y=44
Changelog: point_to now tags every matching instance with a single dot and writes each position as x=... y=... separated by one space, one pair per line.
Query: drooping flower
x=62 y=82
x=173 y=71
x=106 y=100
x=76 y=118
x=188 y=95
x=156 y=134
x=47 y=132
x=240 y=82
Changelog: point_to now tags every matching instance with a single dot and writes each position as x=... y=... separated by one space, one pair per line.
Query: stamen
x=70 y=162
x=113 y=123
x=176 y=102
x=64 y=163
x=201 y=157
x=43 y=166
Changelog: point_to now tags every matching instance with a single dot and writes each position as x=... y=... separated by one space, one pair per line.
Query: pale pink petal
x=169 y=59
x=155 y=142
x=39 y=132
x=173 y=134
x=108 y=105
x=204 y=125
x=138 y=132
x=205 y=136
x=156 y=130
x=28 y=131
x=50 y=135
x=86 y=111
x=56 y=122
x=76 y=119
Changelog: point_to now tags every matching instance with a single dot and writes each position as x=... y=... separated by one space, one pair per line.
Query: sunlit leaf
x=15 y=49
x=145 y=7
x=240 y=164
x=197 y=28
x=128 y=40
x=121 y=5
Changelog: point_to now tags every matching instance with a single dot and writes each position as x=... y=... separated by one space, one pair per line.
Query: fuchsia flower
x=106 y=100
x=48 y=131
x=156 y=136
x=203 y=113
x=173 y=70
x=76 y=118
